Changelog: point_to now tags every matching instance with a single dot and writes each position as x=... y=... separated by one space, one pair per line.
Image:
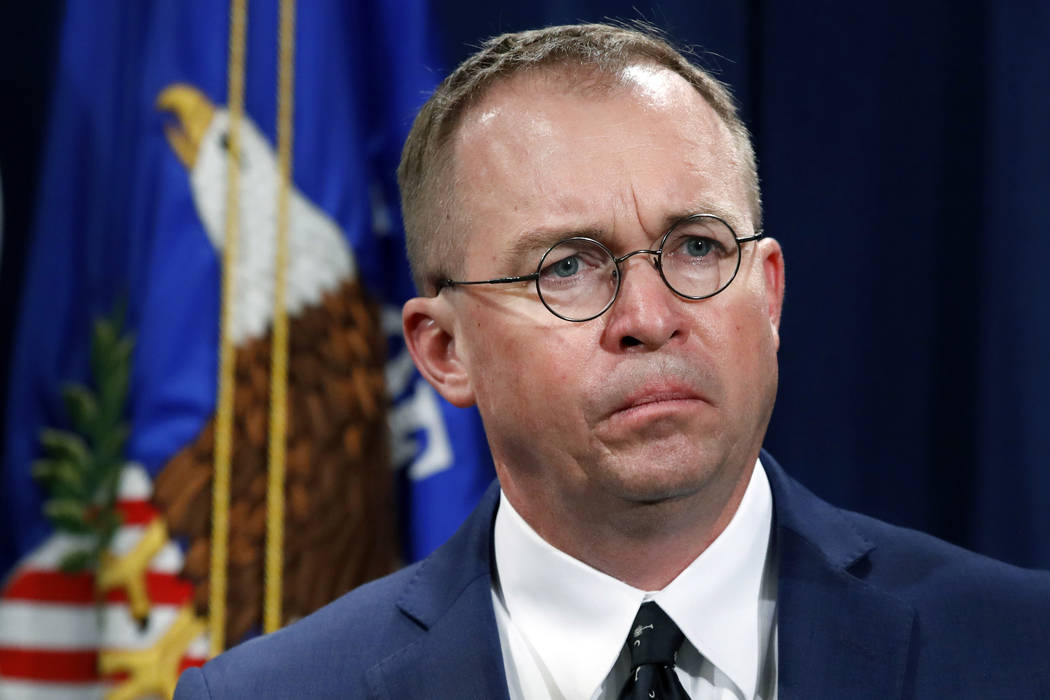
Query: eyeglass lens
x=578 y=277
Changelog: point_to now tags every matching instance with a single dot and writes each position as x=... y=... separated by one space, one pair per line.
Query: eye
x=573 y=261
x=698 y=247
x=224 y=143
x=566 y=267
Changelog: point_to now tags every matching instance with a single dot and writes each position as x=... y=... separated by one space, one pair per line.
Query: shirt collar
x=578 y=627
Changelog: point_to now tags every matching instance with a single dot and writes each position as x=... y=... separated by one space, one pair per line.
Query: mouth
x=653 y=399
x=654 y=391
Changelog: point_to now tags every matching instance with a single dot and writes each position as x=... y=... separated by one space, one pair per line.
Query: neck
x=645 y=545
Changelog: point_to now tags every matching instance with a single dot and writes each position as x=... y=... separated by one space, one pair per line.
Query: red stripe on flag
x=52 y=587
x=48 y=665
x=136 y=512
x=186 y=662
x=163 y=589
x=57 y=587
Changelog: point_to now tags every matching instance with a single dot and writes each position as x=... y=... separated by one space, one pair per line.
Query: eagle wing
x=339 y=510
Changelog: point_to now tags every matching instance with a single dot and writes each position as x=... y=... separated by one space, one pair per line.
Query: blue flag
x=130 y=216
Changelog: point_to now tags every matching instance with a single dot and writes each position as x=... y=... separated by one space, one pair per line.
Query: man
x=584 y=225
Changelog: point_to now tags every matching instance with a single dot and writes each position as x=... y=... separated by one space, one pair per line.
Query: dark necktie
x=653 y=642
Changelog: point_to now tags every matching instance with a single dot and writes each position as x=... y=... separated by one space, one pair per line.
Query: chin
x=664 y=474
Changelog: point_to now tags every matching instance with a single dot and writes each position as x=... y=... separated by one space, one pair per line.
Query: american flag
x=54 y=627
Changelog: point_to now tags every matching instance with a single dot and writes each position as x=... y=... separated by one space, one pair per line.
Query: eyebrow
x=531 y=244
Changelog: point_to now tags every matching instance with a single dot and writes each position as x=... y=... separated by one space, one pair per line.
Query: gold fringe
x=272 y=617
x=224 y=410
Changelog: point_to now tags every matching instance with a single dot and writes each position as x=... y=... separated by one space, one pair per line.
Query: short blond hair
x=424 y=173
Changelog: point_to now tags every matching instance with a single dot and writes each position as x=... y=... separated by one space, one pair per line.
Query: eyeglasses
x=578 y=278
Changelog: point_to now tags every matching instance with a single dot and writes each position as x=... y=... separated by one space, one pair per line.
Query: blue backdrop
x=903 y=149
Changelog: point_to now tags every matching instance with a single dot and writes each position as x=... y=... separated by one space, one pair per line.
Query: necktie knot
x=654 y=637
x=653 y=642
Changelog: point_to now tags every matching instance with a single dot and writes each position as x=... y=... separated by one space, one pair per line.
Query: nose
x=646 y=314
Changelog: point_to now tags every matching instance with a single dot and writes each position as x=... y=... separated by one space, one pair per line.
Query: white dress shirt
x=563 y=625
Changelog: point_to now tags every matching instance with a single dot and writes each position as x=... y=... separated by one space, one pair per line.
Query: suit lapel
x=456 y=649
x=838 y=635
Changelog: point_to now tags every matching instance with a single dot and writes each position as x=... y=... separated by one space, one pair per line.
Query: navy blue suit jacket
x=865 y=610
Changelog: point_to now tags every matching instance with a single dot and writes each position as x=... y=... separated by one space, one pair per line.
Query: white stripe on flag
x=135 y=484
x=79 y=627
x=37 y=690
x=49 y=555
x=168 y=560
x=199 y=648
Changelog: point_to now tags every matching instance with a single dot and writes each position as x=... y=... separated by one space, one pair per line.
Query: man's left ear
x=773 y=273
x=430 y=334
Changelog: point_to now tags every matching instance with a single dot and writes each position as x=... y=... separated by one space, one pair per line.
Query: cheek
x=535 y=378
x=512 y=368
x=755 y=352
x=750 y=311
x=739 y=335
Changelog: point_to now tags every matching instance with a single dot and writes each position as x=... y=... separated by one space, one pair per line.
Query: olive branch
x=80 y=468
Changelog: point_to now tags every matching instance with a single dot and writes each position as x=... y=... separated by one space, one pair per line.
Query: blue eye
x=573 y=262
x=566 y=267
x=698 y=247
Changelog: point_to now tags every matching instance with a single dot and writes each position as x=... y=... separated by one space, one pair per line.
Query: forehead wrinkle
x=486 y=132
x=708 y=207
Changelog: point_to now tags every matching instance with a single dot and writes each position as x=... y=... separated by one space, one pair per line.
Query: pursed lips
x=649 y=395
x=657 y=381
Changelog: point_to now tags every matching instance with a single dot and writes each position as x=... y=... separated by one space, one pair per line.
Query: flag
x=127 y=251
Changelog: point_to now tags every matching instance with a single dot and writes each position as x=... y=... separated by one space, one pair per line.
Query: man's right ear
x=430 y=334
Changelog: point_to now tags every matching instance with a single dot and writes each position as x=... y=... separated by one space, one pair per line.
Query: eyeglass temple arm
x=747 y=239
x=498 y=280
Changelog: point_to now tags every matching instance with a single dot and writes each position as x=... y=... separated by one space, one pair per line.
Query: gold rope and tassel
x=272 y=617
x=224 y=410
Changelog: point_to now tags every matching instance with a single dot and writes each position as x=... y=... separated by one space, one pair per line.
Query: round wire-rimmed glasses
x=578 y=278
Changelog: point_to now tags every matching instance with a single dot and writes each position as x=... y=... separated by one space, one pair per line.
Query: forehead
x=560 y=153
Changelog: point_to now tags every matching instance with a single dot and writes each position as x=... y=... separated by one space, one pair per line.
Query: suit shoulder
x=325 y=654
x=936 y=575
x=973 y=614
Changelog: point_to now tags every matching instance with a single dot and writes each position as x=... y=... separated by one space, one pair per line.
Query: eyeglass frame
x=658 y=264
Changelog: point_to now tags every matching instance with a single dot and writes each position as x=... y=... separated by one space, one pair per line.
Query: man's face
x=659 y=397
